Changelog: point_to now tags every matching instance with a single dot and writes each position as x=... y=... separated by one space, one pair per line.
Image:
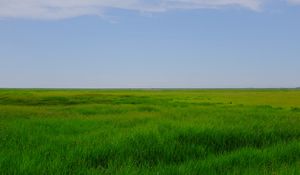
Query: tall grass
x=149 y=131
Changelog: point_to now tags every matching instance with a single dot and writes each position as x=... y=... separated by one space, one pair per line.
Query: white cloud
x=59 y=9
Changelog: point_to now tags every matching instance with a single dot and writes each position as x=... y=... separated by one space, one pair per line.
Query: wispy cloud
x=60 y=9
x=294 y=1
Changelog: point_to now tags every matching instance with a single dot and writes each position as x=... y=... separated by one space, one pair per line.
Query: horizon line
x=156 y=88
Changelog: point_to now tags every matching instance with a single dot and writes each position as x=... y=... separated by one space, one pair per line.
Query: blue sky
x=149 y=44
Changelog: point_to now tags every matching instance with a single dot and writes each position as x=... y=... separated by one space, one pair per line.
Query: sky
x=149 y=44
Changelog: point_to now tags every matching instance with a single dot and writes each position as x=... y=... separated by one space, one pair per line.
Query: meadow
x=241 y=131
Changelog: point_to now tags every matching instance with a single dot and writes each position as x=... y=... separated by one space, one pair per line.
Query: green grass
x=149 y=131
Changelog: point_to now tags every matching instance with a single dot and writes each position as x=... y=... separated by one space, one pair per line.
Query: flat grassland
x=150 y=131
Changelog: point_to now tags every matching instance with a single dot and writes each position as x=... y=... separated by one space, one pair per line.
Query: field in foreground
x=149 y=131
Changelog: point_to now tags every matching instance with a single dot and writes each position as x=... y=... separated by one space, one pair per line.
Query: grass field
x=149 y=132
